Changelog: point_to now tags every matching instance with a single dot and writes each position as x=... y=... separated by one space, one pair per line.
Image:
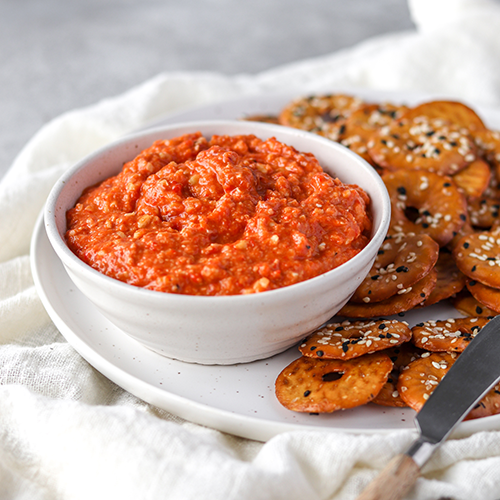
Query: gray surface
x=56 y=55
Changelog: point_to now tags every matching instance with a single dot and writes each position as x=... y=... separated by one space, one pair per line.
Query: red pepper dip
x=225 y=216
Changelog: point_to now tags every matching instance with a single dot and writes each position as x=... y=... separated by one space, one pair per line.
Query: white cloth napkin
x=66 y=432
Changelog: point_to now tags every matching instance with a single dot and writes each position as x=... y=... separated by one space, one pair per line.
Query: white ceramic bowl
x=220 y=329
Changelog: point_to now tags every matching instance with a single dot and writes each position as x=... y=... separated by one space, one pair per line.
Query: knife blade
x=472 y=375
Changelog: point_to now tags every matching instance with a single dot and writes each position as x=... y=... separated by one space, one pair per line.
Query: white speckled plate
x=237 y=399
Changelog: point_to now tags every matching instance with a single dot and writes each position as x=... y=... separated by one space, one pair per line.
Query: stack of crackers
x=441 y=166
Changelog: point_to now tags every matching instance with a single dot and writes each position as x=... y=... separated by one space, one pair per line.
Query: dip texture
x=226 y=216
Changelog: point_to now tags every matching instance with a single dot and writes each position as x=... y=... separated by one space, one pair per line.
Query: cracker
x=450 y=280
x=347 y=340
x=451 y=335
x=403 y=301
x=484 y=211
x=486 y=295
x=324 y=115
x=423 y=144
x=488 y=142
x=362 y=124
x=478 y=257
x=466 y=304
x=263 y=118
x=425 y=202
x=454 y=112
x=421 y=377
x=401 y=356
x=323 y=386
x=418 y=381
x=488 y=406
x=474 y=179
x=402 y=260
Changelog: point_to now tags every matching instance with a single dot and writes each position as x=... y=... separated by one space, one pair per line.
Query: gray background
x=56 y=55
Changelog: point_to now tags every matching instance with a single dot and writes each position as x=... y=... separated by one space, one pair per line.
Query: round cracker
x=324 y=386
x=324 y=115
x=421 y=377
x=488 y=406
x=363 y=123
x=263 y=118
x=418 y=381
x=486 y=295
x=403 y=301
x=423 y=144
x=477 y=256
x=450 y=280
x=466 y=304
x=425 y=203
x=402 y=260
x=484 y=211
x=348 y=340
x=474 y=179
x=401 y=356
x=451 y=335
x=448 y=112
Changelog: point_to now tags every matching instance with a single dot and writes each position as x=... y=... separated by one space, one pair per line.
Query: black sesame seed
x=402 y=269
x=339 y=328
x=401 y=190
x=447 y=184
x=375 y=277
x=479 y=310
x=320 y=353
x=472 y=282
x=345 y=346
x=314 y=347
x=463 y=217
x=306 y=393
x=381 y=326
x=466 y=244
x=473 y=269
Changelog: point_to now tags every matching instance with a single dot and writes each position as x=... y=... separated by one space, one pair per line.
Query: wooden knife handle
x=394 y=481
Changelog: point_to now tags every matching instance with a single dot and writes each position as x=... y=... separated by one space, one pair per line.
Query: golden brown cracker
x=450 y=280
x=477 y=256
x=324 y=386
x=403 y=301
x=324 y=115
x=351 y=339
x=423 y=144
x=425 y=202
x=418 y=381
x=402 y=260
x=450 y=335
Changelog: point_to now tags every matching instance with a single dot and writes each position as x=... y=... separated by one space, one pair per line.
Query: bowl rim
x=69 y=259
